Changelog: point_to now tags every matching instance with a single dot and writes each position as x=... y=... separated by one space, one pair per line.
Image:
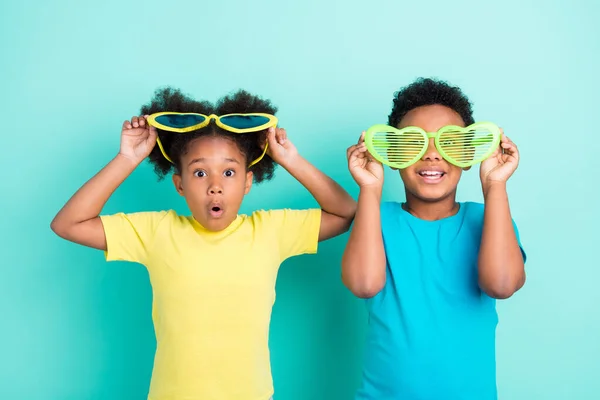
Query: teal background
x=75 y=327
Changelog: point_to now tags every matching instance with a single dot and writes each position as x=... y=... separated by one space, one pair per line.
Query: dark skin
x=430 y=186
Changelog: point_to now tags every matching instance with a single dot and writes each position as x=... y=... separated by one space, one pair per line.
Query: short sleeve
x=519 y=241
x=297 y=231
x=130 y=237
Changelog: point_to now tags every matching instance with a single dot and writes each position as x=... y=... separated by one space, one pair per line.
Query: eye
x=199 y=173
x=447 y=142
x=229 y=173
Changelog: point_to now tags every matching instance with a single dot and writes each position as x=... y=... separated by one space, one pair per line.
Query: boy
x=431 y=268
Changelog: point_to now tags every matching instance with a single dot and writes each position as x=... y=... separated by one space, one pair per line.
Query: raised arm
x=337 y=205
x=364 y=261
x=501 y=265
x=78 y=221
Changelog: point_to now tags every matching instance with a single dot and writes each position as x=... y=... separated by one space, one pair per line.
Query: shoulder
x=390 y=209
x=140 y=218
x=283 y=214
x=473 y=209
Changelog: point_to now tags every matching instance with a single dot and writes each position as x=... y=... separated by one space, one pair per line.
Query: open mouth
x=216 y=211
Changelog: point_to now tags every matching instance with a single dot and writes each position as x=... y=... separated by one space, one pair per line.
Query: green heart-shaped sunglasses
x=460 y=146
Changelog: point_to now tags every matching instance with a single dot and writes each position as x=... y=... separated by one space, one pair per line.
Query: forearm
x=364 y=261
x=88 y=201
x=332 y=198
x=501 y=267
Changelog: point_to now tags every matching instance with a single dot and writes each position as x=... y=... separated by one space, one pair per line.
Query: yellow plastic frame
x=272 y=121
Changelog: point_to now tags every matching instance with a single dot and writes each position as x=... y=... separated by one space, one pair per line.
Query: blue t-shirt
x=432 y=330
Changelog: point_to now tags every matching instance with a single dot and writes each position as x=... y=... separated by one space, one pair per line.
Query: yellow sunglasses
x=188 y=122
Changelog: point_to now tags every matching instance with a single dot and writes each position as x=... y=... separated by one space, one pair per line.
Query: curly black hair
x=427 y=91
x=177 y=144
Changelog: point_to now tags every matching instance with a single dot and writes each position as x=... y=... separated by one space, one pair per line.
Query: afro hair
x=426 y=91
x=176 y=145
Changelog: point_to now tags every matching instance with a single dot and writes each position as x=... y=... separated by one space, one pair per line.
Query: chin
x=431 y=195
x=213 y=224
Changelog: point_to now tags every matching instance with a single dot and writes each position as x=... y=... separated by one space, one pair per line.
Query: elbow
x=55 y=227
x=503 y=291
x=499 y=294
x=60 y=229
x=347 y=224
x=364 y=288
x=366 y=293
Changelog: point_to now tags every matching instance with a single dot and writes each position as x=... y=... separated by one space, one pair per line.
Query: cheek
x=456 y=172
x=407 y=173
x=237 y=185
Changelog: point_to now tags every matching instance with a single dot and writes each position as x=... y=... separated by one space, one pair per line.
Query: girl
x=213 y=272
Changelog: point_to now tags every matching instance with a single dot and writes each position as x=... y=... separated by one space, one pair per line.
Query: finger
x=271 y=136
x=152 y=131
x=361 y=139
x=359 y=157
x=126 y=125
x=513 y=151
x=355 y=152
x=281 y=135
x=508 y=146
x=506 y=139
x=142 y=121
x=134 y=122
x=349 y=150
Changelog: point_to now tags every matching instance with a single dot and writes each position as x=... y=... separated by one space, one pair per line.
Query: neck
x=431 y=211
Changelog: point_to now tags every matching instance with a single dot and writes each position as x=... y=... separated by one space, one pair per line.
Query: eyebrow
x=202 y=159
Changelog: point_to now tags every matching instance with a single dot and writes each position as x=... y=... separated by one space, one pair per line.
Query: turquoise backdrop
x=75 y=327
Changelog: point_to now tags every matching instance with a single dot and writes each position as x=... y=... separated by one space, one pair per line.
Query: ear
x=177 y=183
x=249 y=179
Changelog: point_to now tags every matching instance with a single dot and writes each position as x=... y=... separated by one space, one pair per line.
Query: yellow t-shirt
x=213 y=293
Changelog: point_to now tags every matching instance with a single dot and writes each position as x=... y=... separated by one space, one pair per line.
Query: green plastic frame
x=493 y=142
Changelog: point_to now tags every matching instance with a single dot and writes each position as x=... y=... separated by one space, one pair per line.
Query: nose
x=431 y=154
x=215 y=188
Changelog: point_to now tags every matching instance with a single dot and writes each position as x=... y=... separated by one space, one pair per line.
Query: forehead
x=431 y=118
x=213 y=148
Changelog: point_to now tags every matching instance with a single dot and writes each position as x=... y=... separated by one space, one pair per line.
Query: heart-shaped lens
x=397 y=148
x=248 y=121
x=180 y=121
x=468 y=146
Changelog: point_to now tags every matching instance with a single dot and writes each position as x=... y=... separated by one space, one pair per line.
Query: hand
x=366 y=171
x=137 y=139
x=280 y=149
x=501 y=164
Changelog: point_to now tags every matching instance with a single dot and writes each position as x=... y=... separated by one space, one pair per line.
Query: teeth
x=431 y=173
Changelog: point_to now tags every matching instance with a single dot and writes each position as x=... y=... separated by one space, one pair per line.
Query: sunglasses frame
x=272 y=121
x=379 y=128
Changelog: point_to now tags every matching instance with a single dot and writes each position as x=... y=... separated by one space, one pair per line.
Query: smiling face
x=214 y=180
x=431 y=179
